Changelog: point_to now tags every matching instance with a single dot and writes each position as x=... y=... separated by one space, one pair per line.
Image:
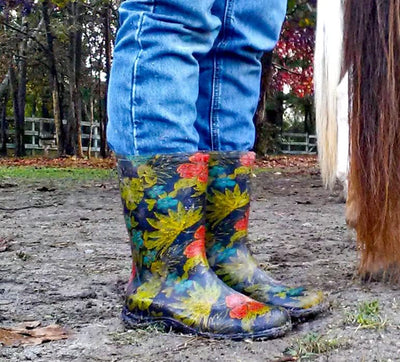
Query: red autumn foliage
x=68 y=162
x=294 y=55
x=282 y=162
x=290 y=163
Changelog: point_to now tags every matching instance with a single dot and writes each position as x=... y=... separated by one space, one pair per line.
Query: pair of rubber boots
x=187 y=218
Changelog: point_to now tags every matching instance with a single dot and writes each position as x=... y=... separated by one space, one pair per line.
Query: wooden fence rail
x=40 y=135
x=298 y=143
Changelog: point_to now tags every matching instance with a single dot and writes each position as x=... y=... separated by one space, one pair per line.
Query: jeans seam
x=134 y=77
x=216 y=81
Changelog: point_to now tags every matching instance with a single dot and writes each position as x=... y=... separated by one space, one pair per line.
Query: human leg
x=155 y=75
x=230 y=72
x=229 y=92
x=152 y=110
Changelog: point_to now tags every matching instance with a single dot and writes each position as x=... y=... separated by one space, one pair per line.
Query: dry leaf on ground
x=30 y=333
x=3 y=244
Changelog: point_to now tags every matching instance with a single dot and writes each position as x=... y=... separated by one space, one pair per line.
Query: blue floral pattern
x=228 y=206
x=171 y=282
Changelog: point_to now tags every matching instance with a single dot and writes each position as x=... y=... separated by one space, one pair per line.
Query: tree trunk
x=260 y=119
x=54 y=82
x=4 y=86
x=22 y=81
x=108 y=55
x=4 y=90
x=14 y=97
x=4 y=124
x=308 y=126
x=18 y=85
x=75 y=62
x=89 y=150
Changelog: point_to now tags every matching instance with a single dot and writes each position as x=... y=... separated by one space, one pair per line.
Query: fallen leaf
x=29 y=333
x=70 y=162
x=3 y=245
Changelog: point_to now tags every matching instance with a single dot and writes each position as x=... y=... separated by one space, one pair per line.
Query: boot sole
x=133 y=321
x=302 y=315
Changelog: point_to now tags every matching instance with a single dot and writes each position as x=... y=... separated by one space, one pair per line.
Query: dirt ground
x=68 y=260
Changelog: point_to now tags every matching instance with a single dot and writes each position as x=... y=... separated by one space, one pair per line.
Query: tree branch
x=32 y=38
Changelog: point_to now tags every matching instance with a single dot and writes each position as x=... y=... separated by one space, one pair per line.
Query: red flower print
x=243 y=223
x=241 y=306
x=199 y=158
x=238 y=312
x=254 y=306
x=200 y=233
x=192 y=170
x=197 y=247
x=248 y=159
x=233 y=300
x=133 y=273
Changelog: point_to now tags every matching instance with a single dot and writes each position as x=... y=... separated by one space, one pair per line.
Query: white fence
x=40 y=135
x=298 y=143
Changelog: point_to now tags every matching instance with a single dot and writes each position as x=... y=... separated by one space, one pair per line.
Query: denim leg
x=154 y=79
x=230 y=73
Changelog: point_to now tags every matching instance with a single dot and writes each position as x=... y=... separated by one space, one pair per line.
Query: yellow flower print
x=170 y=226
x=243 y=170
x=195 y=309
x=158 y=267
x=198 y=186
x=148 y=175
x=144 y=295
x=222 y=204
x=248 y=321
x=151 y=204
x=131 y=192
x=238 y=270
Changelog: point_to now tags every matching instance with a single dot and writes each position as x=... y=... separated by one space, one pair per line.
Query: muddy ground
x=68 y=260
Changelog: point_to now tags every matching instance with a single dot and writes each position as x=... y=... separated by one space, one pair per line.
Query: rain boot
x=171 y=283
x=228 y=207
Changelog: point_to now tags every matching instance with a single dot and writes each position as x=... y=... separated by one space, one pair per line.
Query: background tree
x=67 y=42
x=287 y=79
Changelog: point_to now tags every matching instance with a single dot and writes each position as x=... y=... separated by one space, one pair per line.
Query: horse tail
x=372 y=55
x=327 y=74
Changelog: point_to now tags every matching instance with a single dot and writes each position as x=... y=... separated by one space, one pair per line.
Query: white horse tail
x=327 y=74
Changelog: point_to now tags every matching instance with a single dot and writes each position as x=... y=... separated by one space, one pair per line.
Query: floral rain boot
x=171 y=282
x=228 y=202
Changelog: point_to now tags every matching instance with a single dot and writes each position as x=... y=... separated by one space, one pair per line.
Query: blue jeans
x=186 y=74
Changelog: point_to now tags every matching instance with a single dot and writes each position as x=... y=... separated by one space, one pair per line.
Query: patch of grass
x=124 y=338
x=312 y=345
x=30 y=172
x=132 y=337
x=22 y=255
x=367 y=316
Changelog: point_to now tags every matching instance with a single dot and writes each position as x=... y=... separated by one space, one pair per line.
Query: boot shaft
x=228 y=196
x=163 y=200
